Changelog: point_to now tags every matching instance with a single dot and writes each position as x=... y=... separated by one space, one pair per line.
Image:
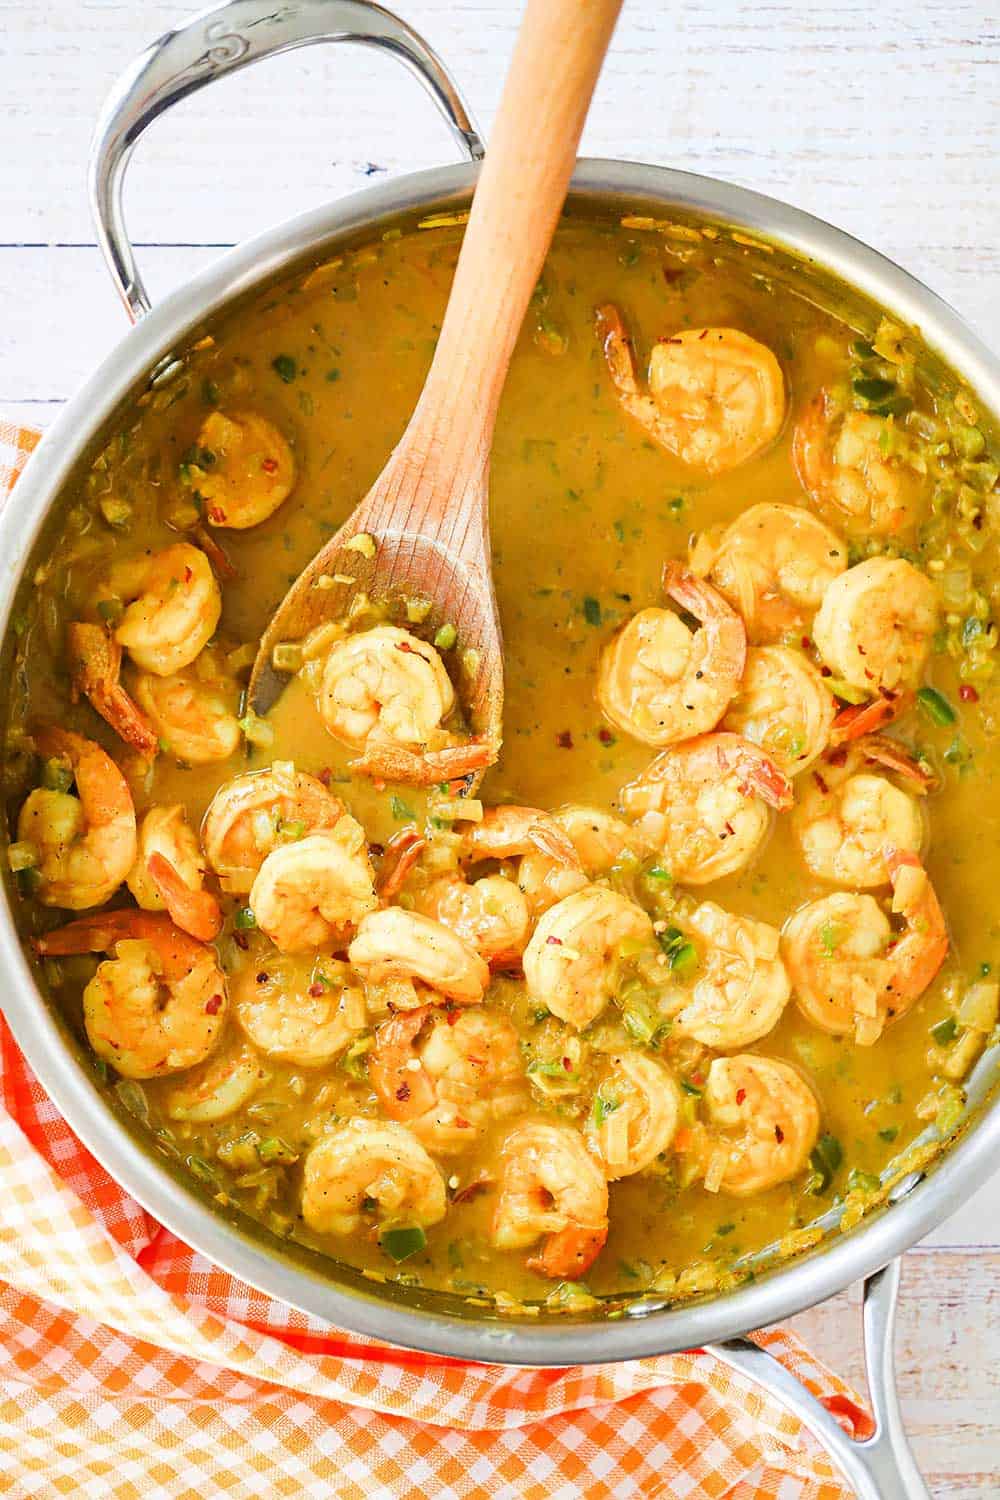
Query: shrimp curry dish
x=695 y=971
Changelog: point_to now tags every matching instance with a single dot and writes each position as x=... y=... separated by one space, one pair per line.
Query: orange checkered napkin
x=131 y=1367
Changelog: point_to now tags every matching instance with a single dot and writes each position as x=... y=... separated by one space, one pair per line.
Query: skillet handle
x=881 y=1467
x=220 y=41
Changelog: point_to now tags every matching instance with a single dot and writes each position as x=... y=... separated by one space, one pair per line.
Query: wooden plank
x=947 y=1347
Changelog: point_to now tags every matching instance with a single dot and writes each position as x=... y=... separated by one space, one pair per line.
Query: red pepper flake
x=821 y=783
x=452 y=1014
x=729 y=828
x=779 y=1134
x=825 y=672
x=459 y=1122
x=403 y=1093
x=216 y=514
x=325 y=776
x=213 y=1006
x=567 y=1063
x=740 y=1095
x=564 y=740
x=967 y=693
x=405 y=647
x=471 y=1189
x=605 y=736
x=188 y=575
x=698 y=1078
x=241 y=940
x=262 y=977
x=837 y=757
x=269 y=465
x=556 y=942
x=806 y=643
x=317 y=989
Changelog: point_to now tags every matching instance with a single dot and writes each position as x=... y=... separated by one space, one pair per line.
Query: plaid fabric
x=131 y=1367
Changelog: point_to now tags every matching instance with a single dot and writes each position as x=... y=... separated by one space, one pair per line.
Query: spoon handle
x=529 y=161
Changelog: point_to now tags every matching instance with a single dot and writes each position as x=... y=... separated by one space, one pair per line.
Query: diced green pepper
x=400 y=1244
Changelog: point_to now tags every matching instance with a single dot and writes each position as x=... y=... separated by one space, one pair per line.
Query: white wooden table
x=882 y=119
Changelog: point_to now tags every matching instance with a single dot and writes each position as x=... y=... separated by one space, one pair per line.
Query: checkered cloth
x=130 y=1368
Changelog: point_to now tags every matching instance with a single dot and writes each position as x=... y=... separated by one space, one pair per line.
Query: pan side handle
x=220 y=41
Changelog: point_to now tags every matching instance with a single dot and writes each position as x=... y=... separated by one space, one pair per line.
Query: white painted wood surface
x=881 y=118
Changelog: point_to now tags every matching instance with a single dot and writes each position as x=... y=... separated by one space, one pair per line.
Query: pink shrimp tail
x=195 y=912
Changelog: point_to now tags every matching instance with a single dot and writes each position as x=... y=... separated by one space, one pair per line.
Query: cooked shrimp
x=370 y=1162
x=705 y=805
x=302 y=1010
x=774 y=564
x=635 y=1114
x=385 y=694
x=845 y=816
x=850 y=971
x=491 y=914
x=661 y=682
x=551 y=1186
x=840 y=460
x=394 y=944
x=716 y=396
x=169 y=873
x=218 y=1087
x=86 y=843
x=764 y=1120
x=784 y=706
x=244 y=468
x=95 y=662
x=876 y=624
x=600 y=840
x=192 y=712
x=446 y=1075
x=741 y=987
x=313 y=893
x=255 y=813
x=571 y=964
x=159 y=1005
x=173 y=607
x=549 y=865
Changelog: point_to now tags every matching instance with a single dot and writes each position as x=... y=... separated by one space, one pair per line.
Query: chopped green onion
x=402 y=811
x=355 y=1060
x=862 y=1182
x=824 y=1159
x=400 y=1244
x=285 y=368
x=870 y=388
x=936 y=706
x=659 y=874
x=244 y=919
x=690 y=1088
x=889 y=1133
x=256 y=730
x=274 y=1149
x=945 y=1031
x=445 y=637
x=684 y=959
x=604 y=1105
x=591 y=610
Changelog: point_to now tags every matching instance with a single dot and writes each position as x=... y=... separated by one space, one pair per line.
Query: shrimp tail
x=922 y=950
x=216 y=554
x=404 y=1092
x=617 y=351
x=891 y=754
x=859 y=719
x=95 y=660
x=386 y=762
x=762 y=777
x=100 y=933
x=196 y=912
x=401 y=854
x=569 y=1253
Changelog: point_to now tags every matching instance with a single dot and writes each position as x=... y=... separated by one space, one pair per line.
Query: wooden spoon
x=427 y=513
